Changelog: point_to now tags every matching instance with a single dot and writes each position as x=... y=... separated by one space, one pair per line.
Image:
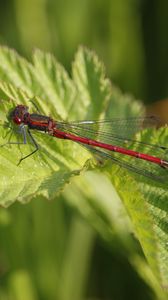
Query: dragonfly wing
x=118 y=132
x=133 y=164
x=106 y=129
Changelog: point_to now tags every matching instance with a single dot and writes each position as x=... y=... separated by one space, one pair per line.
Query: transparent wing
x=152 y=171
x=118 y=132
x=110 y=129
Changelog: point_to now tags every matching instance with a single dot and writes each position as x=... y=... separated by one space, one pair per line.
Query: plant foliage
x=88 y=95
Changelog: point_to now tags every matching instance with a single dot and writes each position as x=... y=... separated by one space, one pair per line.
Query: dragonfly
x=108 y=139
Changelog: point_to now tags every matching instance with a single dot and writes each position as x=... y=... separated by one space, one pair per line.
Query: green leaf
x=92 y=86
x=55 y=86
x=146 y=203
x=88 y=95
x=53 y=91
x=17 y=71
x=100 y=204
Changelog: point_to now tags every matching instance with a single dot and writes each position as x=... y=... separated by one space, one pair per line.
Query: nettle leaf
x=54 y=93
x=94 y=89
x=88 y=95
x=146 y=204
x=45 y=173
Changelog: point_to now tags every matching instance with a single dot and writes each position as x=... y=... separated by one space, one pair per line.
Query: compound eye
x=17 y=120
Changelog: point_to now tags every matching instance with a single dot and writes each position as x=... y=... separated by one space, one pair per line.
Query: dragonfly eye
x=17 y=120
x=17 y=115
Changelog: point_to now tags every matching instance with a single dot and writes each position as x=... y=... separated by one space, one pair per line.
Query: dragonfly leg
x=22 y=130
x=33 y=142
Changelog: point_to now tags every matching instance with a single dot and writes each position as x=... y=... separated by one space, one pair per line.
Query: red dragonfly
x=108 y=139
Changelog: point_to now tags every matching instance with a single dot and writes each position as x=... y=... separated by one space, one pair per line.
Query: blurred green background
x=54 y=250
x=129 y=36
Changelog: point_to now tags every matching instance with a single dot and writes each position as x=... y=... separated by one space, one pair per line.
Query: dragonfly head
x=19 y=114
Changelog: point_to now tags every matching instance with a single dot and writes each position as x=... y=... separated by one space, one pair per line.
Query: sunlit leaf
x=88 y=95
